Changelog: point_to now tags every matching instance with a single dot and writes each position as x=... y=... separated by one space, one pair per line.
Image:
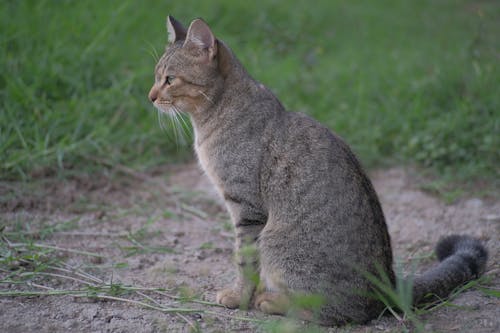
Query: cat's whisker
x=205 y=95
x=152 y=51
x=177 y=126
x=186 y=125
x=173 y=116
x=162 y=118
x=182 y=134
x=153 y=55
x=161 y=122
x=174 y=128
x=158 y=116
x=181 y=128
x=176 y=114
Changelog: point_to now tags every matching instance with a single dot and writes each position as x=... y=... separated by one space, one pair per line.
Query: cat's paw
x=230 y=298
x=272 y=303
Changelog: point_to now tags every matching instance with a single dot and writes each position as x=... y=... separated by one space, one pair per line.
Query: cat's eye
x=170 y=79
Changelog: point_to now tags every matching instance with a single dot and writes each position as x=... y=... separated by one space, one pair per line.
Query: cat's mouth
x=164 y=106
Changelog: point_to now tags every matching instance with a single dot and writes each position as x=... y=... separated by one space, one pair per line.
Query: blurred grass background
x=402 y=81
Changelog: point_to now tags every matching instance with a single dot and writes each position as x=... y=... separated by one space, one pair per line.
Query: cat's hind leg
x=272 y=302
x=271 y=296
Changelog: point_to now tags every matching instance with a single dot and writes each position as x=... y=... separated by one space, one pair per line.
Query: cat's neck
x=229 y=66
x=237 y=84
x=237 y=99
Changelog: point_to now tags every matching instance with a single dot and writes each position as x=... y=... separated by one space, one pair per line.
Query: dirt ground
x=168 y=229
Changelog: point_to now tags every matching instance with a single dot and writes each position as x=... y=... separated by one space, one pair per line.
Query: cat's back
x=311 y=153
x=320 y=191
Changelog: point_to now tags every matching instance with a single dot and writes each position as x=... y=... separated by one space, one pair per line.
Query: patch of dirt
x=171 y=231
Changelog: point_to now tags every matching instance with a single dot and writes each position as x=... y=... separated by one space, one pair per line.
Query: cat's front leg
x=246 y=255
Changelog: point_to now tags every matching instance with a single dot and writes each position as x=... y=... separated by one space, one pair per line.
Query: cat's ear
x=176 y=30
x=200 y=37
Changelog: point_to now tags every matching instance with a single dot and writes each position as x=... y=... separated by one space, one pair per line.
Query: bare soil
x=168 y=229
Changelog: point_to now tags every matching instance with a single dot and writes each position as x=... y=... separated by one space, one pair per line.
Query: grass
x=399 y=303
x=39 y=258
x=40 y=270
x=29 y=268
x=401 y=81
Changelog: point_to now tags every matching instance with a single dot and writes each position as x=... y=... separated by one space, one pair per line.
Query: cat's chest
x=208 y=166
x=203 y=158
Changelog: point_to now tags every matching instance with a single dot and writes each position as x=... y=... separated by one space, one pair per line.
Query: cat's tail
x=462 y=258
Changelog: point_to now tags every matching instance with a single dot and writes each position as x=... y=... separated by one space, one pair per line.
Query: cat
x=306 y=216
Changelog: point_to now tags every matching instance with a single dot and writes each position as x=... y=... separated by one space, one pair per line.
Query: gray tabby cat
x=307 y=219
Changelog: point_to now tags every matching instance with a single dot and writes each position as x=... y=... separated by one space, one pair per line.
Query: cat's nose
x=153 y=95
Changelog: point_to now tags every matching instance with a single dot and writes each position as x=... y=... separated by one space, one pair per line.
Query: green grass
x=401 y=81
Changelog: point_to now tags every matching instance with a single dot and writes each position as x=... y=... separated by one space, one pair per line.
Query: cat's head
x=187 y=76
